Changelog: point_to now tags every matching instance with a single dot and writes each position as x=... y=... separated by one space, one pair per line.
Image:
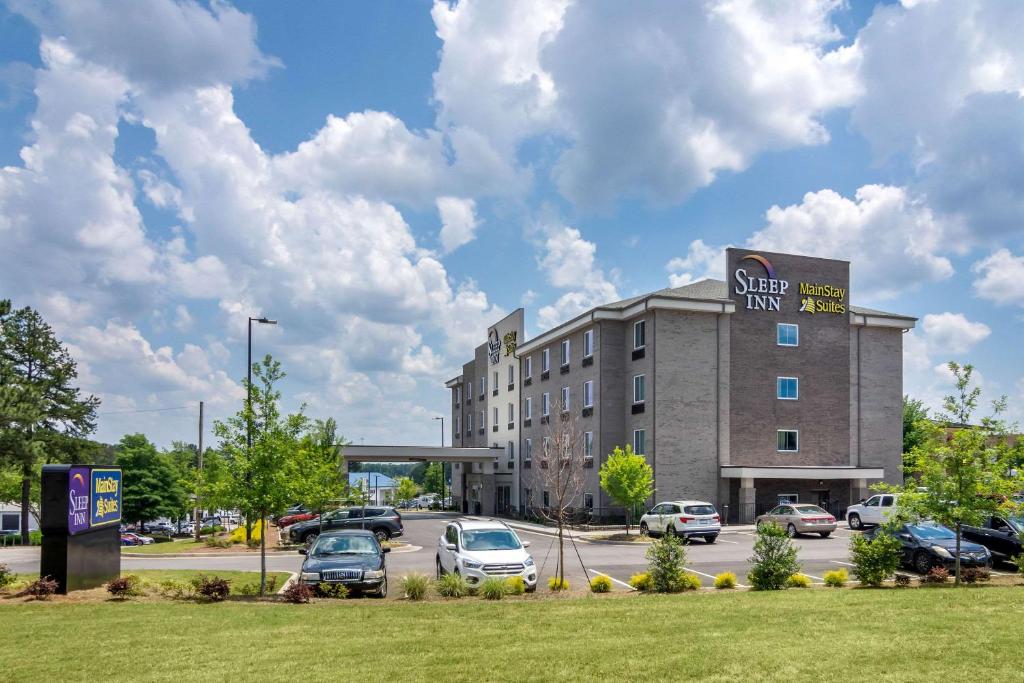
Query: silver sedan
x=800 y=518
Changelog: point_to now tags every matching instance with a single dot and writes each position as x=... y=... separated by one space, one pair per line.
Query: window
x=483 y=419
x=511 y=374
x=588 y=394
x=458 y=394
x=639 y=388
x=887 y=501
x=588 y=501
x=564 y=352
x=588 y=444
x=511 y=450
x=639 y=441
x=873 y=502
x=529 y=366
x=546 y=446
x=511 y=412
x=483 y=385
x=528 y=409
x=565 y=399
x=546 y=499
x=787 y=388
x=528 y=450
x=588 y=343
x=789 y=441
x=469 y=421
x=787 y=334
x=545 y=404
x=456 y=424
x=639 y=334
x=545 y=360
x=495 y=380
x=495 y=423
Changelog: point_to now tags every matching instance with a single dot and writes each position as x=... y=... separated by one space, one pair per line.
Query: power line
x=143 y=410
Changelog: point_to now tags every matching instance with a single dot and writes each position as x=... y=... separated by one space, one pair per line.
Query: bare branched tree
x=562 y=473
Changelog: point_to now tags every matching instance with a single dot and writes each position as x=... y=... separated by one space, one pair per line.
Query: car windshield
x=489 y=539
x=810 y=510
x=699 y=509
x=345 y=545
x=1016 y=522
x=930 y=532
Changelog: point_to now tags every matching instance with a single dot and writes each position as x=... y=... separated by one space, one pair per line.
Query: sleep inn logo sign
x=761 y=293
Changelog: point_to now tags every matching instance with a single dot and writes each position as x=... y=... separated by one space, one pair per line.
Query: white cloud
x=458 y=221
x=1000 y=278
x=569 y=262
x=952 y=333
x=182 y=318
x=701 y=261
x=927 y=349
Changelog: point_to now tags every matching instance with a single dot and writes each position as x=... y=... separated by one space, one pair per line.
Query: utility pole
x=199 y=480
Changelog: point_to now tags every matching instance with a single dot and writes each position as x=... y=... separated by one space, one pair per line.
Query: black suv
x=1001 y=535
x=384 y=522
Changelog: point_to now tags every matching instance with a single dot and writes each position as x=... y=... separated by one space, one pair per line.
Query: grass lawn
x=796 y=635
x=237 y=578
x=181 y=545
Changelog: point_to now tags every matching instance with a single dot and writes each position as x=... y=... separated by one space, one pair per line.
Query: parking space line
x=811 y=576
x=623 y=583
x=722 y=540
x=845 y=563
x=694 y=571
x=997 y=573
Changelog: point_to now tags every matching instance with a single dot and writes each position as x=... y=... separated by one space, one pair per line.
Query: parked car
x=384 y=522
x=187 y=529
x=130 y=539
x=352 y=558
x=871 y=512
x=927 y=545
x=161 y=528
x=686 y=518
x=1001 y=535
x=139 y=540
x=212 y=522
x=288 y=520
x=479 y=549
x=800 y=518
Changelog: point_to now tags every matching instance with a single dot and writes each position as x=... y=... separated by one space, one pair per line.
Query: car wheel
x=382 y=592
x=791 y=530
x=922 y=562
x=440 y=569
x=710 y=539
x=825 y=534
x=644 y=531
x=310 y=538
x=382 y=534
x=531 y=589
x=854 y=522
x=670 y=531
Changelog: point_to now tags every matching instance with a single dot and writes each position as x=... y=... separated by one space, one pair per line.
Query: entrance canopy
x=420 y=454
x=803 y=472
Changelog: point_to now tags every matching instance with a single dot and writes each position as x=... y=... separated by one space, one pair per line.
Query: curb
x=290 y=581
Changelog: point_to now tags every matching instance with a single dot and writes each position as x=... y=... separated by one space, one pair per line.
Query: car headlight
x=310 y=576
x=529 y=562
x=940 y=551
x=376 y=574
x=472 y=564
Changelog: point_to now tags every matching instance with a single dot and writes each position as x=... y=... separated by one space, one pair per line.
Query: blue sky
x=387 y=178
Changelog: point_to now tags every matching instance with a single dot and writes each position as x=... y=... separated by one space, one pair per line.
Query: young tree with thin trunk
x=562 y=473
x=963 y=473
x=317 y=472
x=627 y=479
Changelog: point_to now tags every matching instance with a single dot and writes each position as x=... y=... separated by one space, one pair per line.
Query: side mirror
x=451 y=546
x=303 y=551
x=526 y=544
x=385 y=550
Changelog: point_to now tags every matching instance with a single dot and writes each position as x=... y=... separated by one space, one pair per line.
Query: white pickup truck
x=871 y=512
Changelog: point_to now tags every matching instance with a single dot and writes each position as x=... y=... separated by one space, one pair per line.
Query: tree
x=38 y=402
x=317 y=470
x=562 y=473
x=406 y=489
x=774 y=559
x=915 y=429
x=261 y=481
x=152 y=486
x=433 y=479
x=627 y=479
x=963 y=471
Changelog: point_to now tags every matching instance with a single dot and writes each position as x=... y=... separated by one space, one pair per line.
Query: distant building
x=381 y=487
x=10 y=518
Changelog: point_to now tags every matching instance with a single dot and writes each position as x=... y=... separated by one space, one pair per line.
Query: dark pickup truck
x=1001 y=535
x=384 y=522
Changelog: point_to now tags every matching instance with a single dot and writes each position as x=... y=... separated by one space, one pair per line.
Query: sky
x=386 y=179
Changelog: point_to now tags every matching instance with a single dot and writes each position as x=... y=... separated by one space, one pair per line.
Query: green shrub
x=601 y=584
x=875 y=560
x=6 y=576
x=937 y=575
x=515 y=585
x=798 y=581
x=774 y=559
x=415 y=586
x=298 y=593
x=555 y=584
x=493 y=588
x=162 y=539
x=217 y=542
x=212 y=588
x=690 y=582
x=836 y=578
x=337 y=591
x=1019 y=561
x=452 y=586
x=725 y=580
x=665 y=561
x=641 y=582
x=176 y=590
x=124 y=587
x=42 y=588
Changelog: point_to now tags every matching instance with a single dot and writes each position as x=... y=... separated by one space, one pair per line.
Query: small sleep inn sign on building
x=81 y=516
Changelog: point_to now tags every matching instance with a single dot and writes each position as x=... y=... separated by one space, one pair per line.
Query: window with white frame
x=483 y=419
x=787 y=334
x=495 y=379
x=546 y=446
x=588 y=343
x=588 y=394
x=588 y=444
x=787 y=388
x=458 y=394
x=483 y=385
x=469 y=421
x=565 y=399
x=639 y=388
x=528 y=409
x=511 y=412
x=639 y=334
x=545 y=404
x=511 y=374
x=528 y=449
x=529 y=367
x=457 y=426
x=639 y=441
x=564 y=352
x=511 y=450
x=495 y=411
x=545 y=360
x=788 y=441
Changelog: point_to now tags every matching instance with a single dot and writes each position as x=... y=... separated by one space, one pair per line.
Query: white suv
x=873 y=511
x=686 y=518
x=481 y=549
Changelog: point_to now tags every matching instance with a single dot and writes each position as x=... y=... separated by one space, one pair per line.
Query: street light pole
x=248 y=452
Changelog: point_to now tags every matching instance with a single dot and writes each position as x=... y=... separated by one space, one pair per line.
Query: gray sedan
x=800 y=518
